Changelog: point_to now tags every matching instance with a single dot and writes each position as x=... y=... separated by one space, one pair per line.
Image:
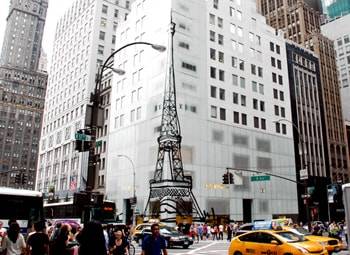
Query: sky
x=56 y=9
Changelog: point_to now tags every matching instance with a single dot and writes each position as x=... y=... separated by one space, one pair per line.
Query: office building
x=85 y=37
x=339 y=31
x=22 y=93
x=338 y=8
x=301 y=24
x=227 y=90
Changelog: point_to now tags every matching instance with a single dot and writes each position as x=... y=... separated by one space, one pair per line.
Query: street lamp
x=96 y=98
x=134 y=184
x=302 y=154
x=133 y=172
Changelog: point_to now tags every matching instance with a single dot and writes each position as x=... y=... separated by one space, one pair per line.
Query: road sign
x=260 y=178
x=303 y=174
x=82 y=137
x=99 y=143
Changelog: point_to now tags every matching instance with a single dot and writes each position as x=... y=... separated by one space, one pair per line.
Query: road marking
x=200 y=248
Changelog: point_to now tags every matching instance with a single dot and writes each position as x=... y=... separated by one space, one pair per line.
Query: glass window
x=243 y=100
x=236 y=117
x=242 y=82
x=213 y=72
x=221 y=75
x=261 y=89
x=234 y=62
x=278 y=49
x=212 y=19
x=212 y=36
x=256 y=122
x=213 y=111
x=254 y=86
x=104 y=9
x=235 y=98
x=272 y=46
x=244 y=119
x=222 y=114
x=213 y=54
x=241 y=64
x=263 y=124
x=213 y=91
x=234 y=80
x=220 y=39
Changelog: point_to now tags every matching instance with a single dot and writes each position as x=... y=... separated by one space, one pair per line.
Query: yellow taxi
x=331 y=244
x=274 y=242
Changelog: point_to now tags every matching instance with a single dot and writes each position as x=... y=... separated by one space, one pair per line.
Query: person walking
x=154 y=244
x=120 y=246
x=38 y=242
x=91 y=239
x=229 y=230
x=13 y=242
x=60 y=246
x=221 y=232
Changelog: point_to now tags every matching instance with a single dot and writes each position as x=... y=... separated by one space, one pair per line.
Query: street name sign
x=260 y=178
x=303 y=174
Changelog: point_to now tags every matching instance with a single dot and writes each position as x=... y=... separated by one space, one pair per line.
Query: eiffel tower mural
x=170 y=190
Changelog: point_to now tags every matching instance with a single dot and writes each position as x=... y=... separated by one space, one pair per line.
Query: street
x=203 y=247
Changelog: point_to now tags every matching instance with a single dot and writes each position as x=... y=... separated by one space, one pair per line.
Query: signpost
x=260 y=178
x=82 y=137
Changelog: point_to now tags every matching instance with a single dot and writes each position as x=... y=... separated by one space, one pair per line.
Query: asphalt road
x=203 y=247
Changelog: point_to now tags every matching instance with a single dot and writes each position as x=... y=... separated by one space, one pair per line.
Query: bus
x=24 y=206
x=105 y=213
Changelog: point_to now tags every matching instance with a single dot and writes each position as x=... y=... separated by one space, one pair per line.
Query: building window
x=213 y=72
x=278 y=49
x=272 y=46
x=215 y=4
x=280 y=79
x=279 y=64
x=189 y=66
x=273 y=61
x=213 y=91
x=213 y=112
x=220 y=39
x=254 y=86
x=241 y=64
x=211 y=19
x=277 y=112
x=244 y=119
x=281 y=96
x=221 y=75
x=222 y=114
x=235 y=98
x=116 y=13
x=222 y=94
x=234 y=62
x=242 y=82
x=212 y=36
x=100 y=49
x=275 y=93
x=102 y=35
x=260 y=71
x=256 y=122
x=274 y=77
x=221 y=57
x=212 y=54
x=263 y=124
x=234 y=80
x=284 y=129
x=262 y=106
x=261 y=89
x=220 y=22
x=104 y=9
x=243 y=100
x=236 y=117
x=184 y=45
x=278 y=127
x=253 y=69
x=255 y=104
x=283 y=112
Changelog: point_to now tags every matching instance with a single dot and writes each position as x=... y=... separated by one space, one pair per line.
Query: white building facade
x=85 y=37
x=339 y=31
x=226 y=92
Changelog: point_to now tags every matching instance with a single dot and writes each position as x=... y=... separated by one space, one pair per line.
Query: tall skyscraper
x=338 y=8
x=22 y=93
x=301 y=24
x=227 y=90
x=85 y=37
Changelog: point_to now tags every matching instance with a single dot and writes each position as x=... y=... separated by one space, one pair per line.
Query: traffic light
x=78 y=142
x=18 y=178
x=225 y=178
x=230 y=178
x=24 y=178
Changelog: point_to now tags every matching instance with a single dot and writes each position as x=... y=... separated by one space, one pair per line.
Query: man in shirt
x=154 y=244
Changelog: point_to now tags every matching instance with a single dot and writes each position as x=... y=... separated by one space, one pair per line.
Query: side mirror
x=274 y=242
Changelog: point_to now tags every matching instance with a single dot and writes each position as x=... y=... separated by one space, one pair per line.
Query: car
x=172 y=236
x=331 y=244
x=274 y=242
x=244 y=229
x=138 y=230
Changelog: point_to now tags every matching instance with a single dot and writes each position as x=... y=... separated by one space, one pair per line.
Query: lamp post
x=133 y=184
x=95 y=100
x=303 y=164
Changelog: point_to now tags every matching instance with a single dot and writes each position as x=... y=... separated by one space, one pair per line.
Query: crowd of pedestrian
x=211 y=231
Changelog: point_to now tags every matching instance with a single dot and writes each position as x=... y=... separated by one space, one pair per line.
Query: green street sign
x=98 y=143
x=82 y=137
x=260 y=178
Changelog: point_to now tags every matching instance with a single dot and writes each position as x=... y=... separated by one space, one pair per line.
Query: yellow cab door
x=268 y=244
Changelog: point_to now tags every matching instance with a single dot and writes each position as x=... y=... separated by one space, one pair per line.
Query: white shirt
x=13 y=248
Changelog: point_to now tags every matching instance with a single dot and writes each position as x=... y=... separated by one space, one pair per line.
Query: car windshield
x=302 y=231
x=168 y=230
x=291 y=237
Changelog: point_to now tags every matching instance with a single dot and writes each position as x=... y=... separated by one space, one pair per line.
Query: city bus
x=24 y=206
x=69 y=211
